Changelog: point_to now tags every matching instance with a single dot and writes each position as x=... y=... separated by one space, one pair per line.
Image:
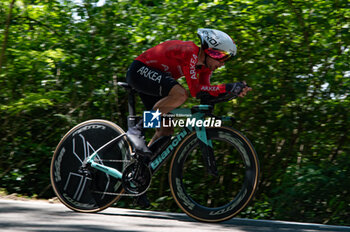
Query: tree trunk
x=8 y=21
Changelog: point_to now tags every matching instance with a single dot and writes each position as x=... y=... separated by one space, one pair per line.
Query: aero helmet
x=217 y=44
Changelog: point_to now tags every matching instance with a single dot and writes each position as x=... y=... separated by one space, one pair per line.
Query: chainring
x=136 y=178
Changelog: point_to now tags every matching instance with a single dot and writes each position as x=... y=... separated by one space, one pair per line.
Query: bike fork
x=206 y=148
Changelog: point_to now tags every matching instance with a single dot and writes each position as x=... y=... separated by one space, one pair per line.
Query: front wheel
x=214 y=198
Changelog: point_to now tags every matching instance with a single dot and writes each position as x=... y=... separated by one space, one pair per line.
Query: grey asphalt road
x=18 y=215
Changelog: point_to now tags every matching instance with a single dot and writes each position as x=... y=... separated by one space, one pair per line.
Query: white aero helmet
x=217 y=44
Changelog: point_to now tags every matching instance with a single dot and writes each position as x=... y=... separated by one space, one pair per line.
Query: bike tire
x=95 y=190
x=205 y=197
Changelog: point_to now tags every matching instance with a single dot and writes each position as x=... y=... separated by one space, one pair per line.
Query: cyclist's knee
x=179 y=93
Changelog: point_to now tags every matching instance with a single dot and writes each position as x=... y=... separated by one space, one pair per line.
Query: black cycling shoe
x=137 y=139
x=142 y=201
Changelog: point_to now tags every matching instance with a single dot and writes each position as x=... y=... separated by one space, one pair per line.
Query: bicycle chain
x=117 y=161
x=120 y=194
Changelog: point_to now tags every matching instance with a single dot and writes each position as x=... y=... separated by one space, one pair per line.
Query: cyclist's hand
x=239 y=89
x=245 y=90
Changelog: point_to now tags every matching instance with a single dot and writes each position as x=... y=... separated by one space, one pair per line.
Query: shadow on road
x=244 y=225
x=23 y=216
x=49 y=220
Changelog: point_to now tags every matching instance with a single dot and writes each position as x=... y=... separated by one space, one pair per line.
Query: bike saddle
x=124 y=85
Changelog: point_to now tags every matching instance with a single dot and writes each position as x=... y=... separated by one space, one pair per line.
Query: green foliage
x=61 y=63
x=316 y=189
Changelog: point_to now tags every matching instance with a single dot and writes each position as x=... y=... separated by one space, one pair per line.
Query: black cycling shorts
x=151 y=84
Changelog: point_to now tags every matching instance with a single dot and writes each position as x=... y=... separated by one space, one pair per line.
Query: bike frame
x=159 y=159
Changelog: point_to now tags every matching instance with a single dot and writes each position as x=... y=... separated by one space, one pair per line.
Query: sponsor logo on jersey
x=150 y=74
x=210 y=88
x=193 y=63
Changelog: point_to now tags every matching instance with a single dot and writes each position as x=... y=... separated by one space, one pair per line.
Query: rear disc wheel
x=81 y=188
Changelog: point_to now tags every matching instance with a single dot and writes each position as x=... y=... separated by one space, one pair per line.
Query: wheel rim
x=226 y=203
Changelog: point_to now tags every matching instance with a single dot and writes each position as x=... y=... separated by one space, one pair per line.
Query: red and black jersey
x=179 y=58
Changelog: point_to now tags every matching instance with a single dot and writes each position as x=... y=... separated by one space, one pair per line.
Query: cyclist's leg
x=149 y=102
x=152 y=91
x=157 y=91
x=167 y=92
x=176 y=97
x=138 y=79
x=150 y=81
x=162 y=131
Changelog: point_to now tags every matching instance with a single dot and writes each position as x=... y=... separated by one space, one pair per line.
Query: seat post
x=131 y=102
x=133 y=119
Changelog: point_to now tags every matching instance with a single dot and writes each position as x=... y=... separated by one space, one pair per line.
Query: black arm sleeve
x=207 y=99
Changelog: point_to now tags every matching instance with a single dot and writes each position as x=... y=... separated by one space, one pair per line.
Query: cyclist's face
x=214 y=64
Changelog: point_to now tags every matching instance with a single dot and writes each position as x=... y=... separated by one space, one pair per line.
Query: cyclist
x=153 y=75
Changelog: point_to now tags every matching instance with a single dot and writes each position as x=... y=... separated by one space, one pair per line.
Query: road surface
x=32 y=216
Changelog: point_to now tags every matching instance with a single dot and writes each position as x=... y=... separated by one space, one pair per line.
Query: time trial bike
x=213 y=174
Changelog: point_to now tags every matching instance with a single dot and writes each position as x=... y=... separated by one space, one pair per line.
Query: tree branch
x=41 y=24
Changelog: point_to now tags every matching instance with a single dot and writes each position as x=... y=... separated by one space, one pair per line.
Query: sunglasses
x=219 y=55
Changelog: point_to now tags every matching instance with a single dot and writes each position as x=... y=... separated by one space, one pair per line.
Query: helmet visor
x=218 y=54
